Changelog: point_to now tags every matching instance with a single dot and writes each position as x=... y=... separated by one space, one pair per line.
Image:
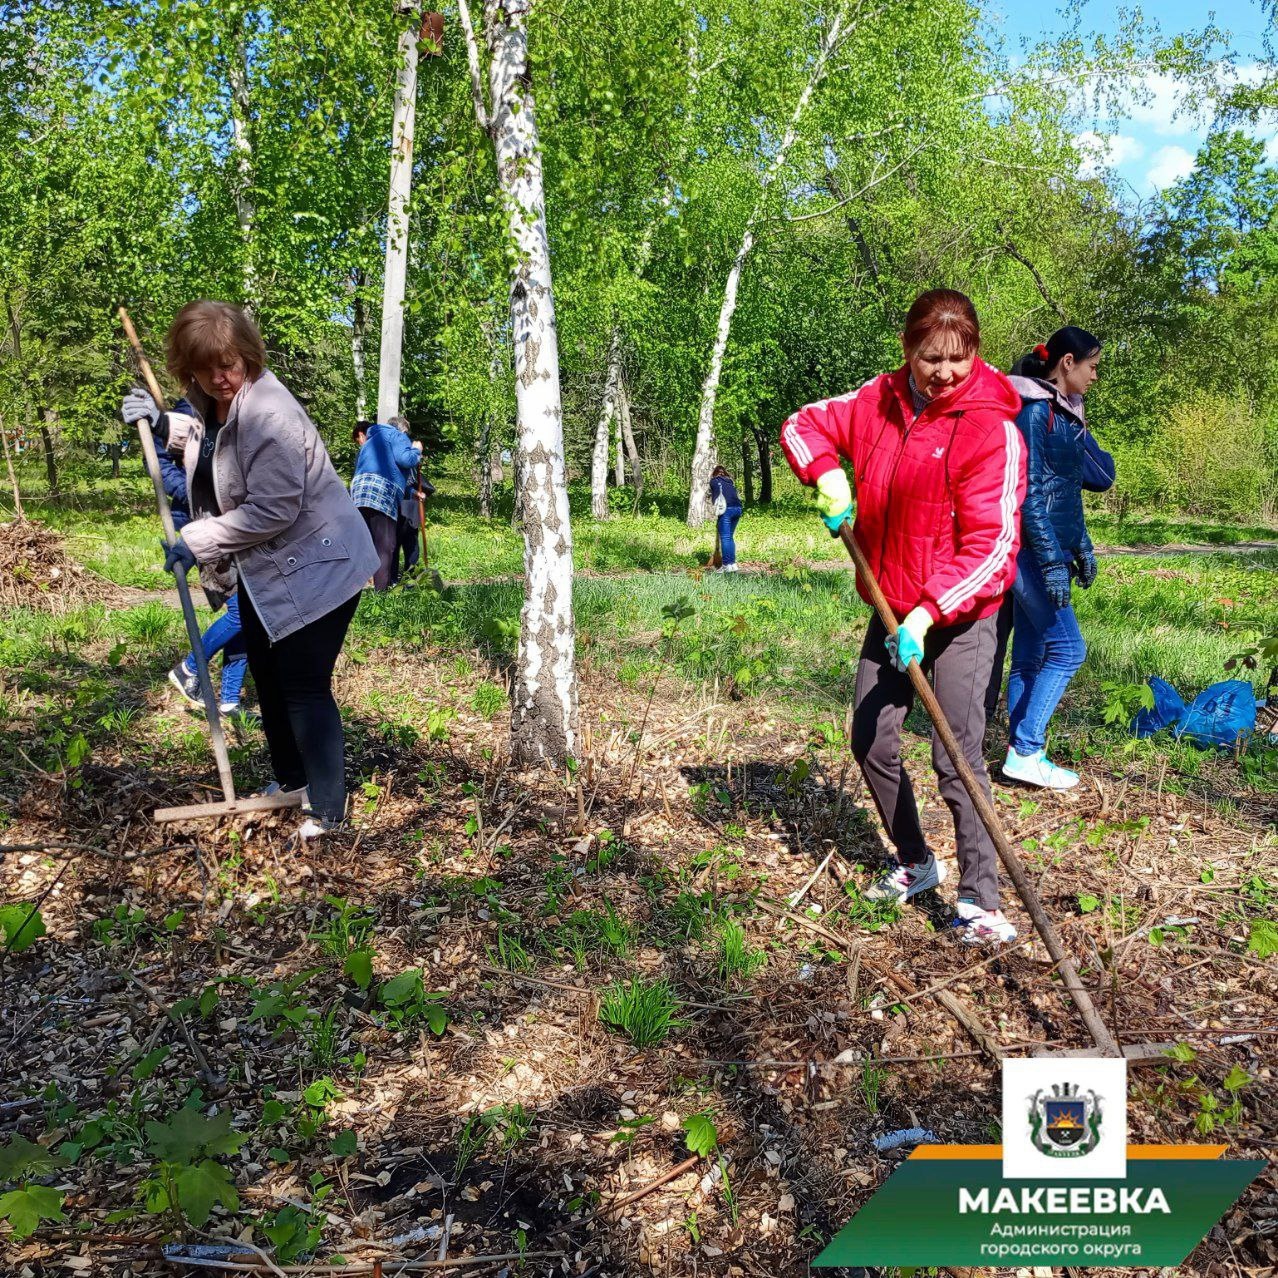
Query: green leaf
x=1262 y=938
x=1181 y=1052
x=209 y=999
x=1236 y=1079
x=20 y=1158
x=701 y=1135
x=320 y=1092
x=403 y=988
x=22 y=926
x=188 y=1135
x=436 y=1018
x=174 y=920
x=359 y=967
x=25 y=1208
x=1087 y=902
x=149 y=1063
x=344 y=1144
x=201 y=1186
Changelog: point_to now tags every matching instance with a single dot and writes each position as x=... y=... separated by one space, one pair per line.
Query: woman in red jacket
x=939 y=468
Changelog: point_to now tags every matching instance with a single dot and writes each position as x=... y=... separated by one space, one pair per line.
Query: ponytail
x=1042 y=360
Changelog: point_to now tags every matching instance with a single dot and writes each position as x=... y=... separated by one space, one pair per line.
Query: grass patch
x=645 y=1011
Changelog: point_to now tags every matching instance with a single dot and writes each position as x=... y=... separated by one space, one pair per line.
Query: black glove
x=1056 y=579
x=1085 y=564
x=178 y=558
x=428 y=489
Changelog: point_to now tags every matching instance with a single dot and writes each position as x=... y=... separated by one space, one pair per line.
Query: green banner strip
x=916 y=1217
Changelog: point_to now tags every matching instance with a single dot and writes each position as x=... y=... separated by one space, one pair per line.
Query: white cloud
x=1099 y=152
x=1171 y=163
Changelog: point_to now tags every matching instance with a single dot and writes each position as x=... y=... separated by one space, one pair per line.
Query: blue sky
x=1155 y=144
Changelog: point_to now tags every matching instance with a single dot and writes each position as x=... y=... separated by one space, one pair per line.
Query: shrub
x=1214 y=460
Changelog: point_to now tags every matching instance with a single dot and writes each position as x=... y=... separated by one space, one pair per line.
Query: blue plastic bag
x=1167 y=709
x=1220 y=715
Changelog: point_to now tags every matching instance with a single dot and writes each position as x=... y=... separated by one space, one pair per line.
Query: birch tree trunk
x=619 y=473
x=390 y=353
x=623 y=414
x=484 y=460
x=13 y=479
x=242 y=151
x=703 y=457
x=359 y=332
x=603 y=436
x=544 y=698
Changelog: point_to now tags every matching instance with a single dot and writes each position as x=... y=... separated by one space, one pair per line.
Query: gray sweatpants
x=959 y=660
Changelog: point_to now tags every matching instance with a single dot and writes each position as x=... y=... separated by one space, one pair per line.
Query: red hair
x=943 y=312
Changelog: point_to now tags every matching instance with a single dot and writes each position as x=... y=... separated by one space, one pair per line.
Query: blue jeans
x=225 y=636
x=727 y=527
x=1047 y=649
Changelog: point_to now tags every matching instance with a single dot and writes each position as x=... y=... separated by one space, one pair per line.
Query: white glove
x=139 y=406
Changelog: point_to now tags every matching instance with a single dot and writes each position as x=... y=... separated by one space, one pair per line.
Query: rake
x=230 y=805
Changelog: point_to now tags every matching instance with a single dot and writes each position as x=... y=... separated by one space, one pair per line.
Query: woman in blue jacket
x=383 y=468
x=727 y=513
x=1047 y=645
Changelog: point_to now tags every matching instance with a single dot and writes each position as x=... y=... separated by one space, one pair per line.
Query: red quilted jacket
x=938 y=497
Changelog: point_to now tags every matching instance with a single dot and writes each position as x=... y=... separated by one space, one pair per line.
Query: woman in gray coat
x=269 y=511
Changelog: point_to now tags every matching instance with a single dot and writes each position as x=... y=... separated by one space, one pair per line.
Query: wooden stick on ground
x=1100 y=1034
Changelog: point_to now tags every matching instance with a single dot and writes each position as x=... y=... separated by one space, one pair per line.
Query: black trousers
x=959 y=659
x=302 y=723
x=410 y=542
x=386 y=542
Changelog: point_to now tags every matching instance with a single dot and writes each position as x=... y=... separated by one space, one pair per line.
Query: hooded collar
x=1029 y=388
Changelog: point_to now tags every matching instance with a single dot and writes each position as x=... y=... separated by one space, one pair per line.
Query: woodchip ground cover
x=502 y=1002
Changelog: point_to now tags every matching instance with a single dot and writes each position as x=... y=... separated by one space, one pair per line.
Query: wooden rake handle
x=183 y=586
x=1101 y=1036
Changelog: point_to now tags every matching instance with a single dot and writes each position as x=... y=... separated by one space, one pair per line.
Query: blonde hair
x=205 y=333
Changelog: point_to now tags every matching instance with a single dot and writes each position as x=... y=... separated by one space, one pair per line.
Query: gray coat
x=288 y=529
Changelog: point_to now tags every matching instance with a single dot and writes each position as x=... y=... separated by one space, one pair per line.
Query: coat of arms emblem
x=1066 y=1123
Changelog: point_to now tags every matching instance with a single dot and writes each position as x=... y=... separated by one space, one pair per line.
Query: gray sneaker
x=905 y=881
x=187 y=682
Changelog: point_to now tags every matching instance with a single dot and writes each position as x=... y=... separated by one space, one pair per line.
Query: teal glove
x=907 y=644
x=834 y=499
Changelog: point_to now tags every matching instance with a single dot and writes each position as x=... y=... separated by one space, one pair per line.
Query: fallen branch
x=358 y=1269
x=673 y=1174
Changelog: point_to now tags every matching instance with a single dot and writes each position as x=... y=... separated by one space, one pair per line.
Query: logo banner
x=952 y=1205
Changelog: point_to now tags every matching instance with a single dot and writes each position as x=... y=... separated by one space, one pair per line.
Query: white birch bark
x=619 y=473
x=359 y=327
x=703 y=458
x=544 y=698
x=391 y=352
x=242 y=152
x=623 y=416
x=603 y=434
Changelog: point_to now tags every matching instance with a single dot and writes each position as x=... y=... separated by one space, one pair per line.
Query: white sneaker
x=315 y=827
x=729 y=568
x=982 y=927
x=905 y=881
x=1038 y=769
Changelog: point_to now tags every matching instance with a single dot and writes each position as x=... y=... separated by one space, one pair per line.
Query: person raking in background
x=727 y=513
x=939 y=469
x=1047 y=643
x=269 y=511
x=408 y=527
x=383 y=468
x=226 y=634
